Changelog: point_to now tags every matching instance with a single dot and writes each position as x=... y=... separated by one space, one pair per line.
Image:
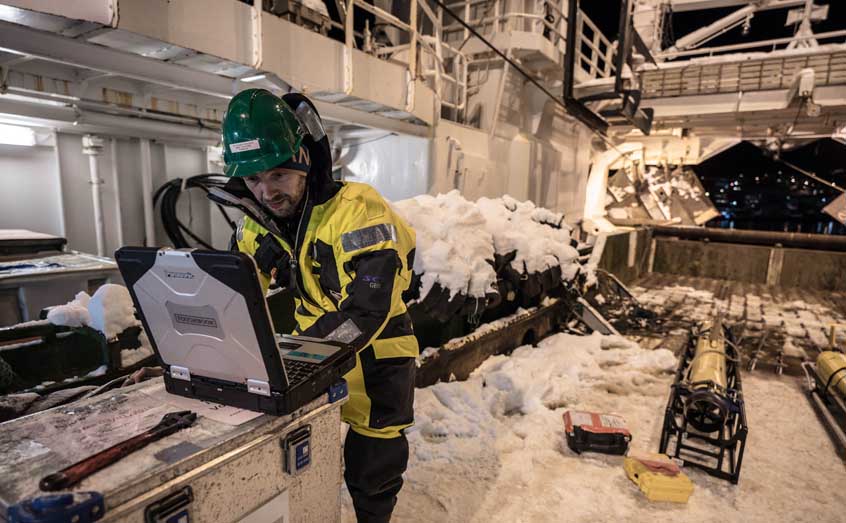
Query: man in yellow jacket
x=348 y=257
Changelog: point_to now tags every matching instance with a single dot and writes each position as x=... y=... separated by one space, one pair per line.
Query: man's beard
x=282 y=207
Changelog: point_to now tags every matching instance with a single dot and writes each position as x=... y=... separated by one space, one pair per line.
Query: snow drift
x=492 y=449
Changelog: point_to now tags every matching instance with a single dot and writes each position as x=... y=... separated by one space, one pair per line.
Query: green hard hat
x=260 y=132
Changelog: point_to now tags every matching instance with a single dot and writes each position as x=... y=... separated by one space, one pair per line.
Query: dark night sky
x=754 y=191
x=767 y=24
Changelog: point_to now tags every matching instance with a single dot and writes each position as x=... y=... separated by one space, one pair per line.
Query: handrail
x=382 y=14
x=596 y=63
x=444 y=65
x=432 y=56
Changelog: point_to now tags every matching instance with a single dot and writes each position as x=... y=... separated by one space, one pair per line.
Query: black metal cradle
x=721 y=412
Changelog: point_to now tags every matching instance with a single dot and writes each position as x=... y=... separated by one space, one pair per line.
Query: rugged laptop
x=209 y=325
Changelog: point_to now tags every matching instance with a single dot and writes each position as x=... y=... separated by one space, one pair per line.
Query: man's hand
x=143 y=374
x=272 y=259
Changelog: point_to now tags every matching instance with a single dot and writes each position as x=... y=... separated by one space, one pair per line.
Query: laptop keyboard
x=299 y=370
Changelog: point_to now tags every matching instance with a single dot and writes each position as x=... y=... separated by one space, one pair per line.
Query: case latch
x=258 y=387
x=180 y=373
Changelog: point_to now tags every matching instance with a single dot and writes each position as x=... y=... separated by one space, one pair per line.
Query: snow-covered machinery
x=480 y=261
x=705 y=420
x=827 y=391
x=75 y=348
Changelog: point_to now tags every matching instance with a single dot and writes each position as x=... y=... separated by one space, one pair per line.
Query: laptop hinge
x=258 y=387
x=180 y=373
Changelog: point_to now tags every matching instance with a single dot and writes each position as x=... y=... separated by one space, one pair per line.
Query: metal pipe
x=75 y=121
x=831 y=422
x=97 y=197
x=349 y=43
x=384 y=15
x=680 y=6
x=92 y=146
x=152 y=127
x=812 y=176
x=116 y=185
x=147 y=190
x=412 y=59
x=709 y=31
x=256 y=34
x=748 y=45
x=786 y=239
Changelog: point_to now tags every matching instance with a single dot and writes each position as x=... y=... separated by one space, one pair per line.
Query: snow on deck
x=492 y=448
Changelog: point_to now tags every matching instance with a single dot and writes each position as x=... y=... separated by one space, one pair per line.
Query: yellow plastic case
x=657 y=486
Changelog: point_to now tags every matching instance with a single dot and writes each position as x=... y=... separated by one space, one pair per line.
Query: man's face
x=279 y=189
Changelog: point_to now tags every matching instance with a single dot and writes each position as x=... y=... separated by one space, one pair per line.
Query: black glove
x=274 y=261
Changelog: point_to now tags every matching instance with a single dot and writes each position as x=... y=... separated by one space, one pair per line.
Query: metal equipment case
x=218 y=471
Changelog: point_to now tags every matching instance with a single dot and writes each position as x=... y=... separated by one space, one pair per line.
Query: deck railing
x=543 y=17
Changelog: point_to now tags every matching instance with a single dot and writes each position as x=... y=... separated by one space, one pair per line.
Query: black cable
x=194 y=236
x=167 y=197
x=226 y=217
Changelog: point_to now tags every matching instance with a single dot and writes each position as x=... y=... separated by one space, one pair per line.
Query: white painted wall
x=552 y=174
x=221 y=232
x=132 y=206
x=28 y=176
x=527 y=147
x=397 y=166
x=33 y=192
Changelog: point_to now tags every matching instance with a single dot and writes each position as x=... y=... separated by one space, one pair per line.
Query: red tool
x=70 y=476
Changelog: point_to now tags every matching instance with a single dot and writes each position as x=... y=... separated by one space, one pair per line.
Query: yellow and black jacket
x=348 y=256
